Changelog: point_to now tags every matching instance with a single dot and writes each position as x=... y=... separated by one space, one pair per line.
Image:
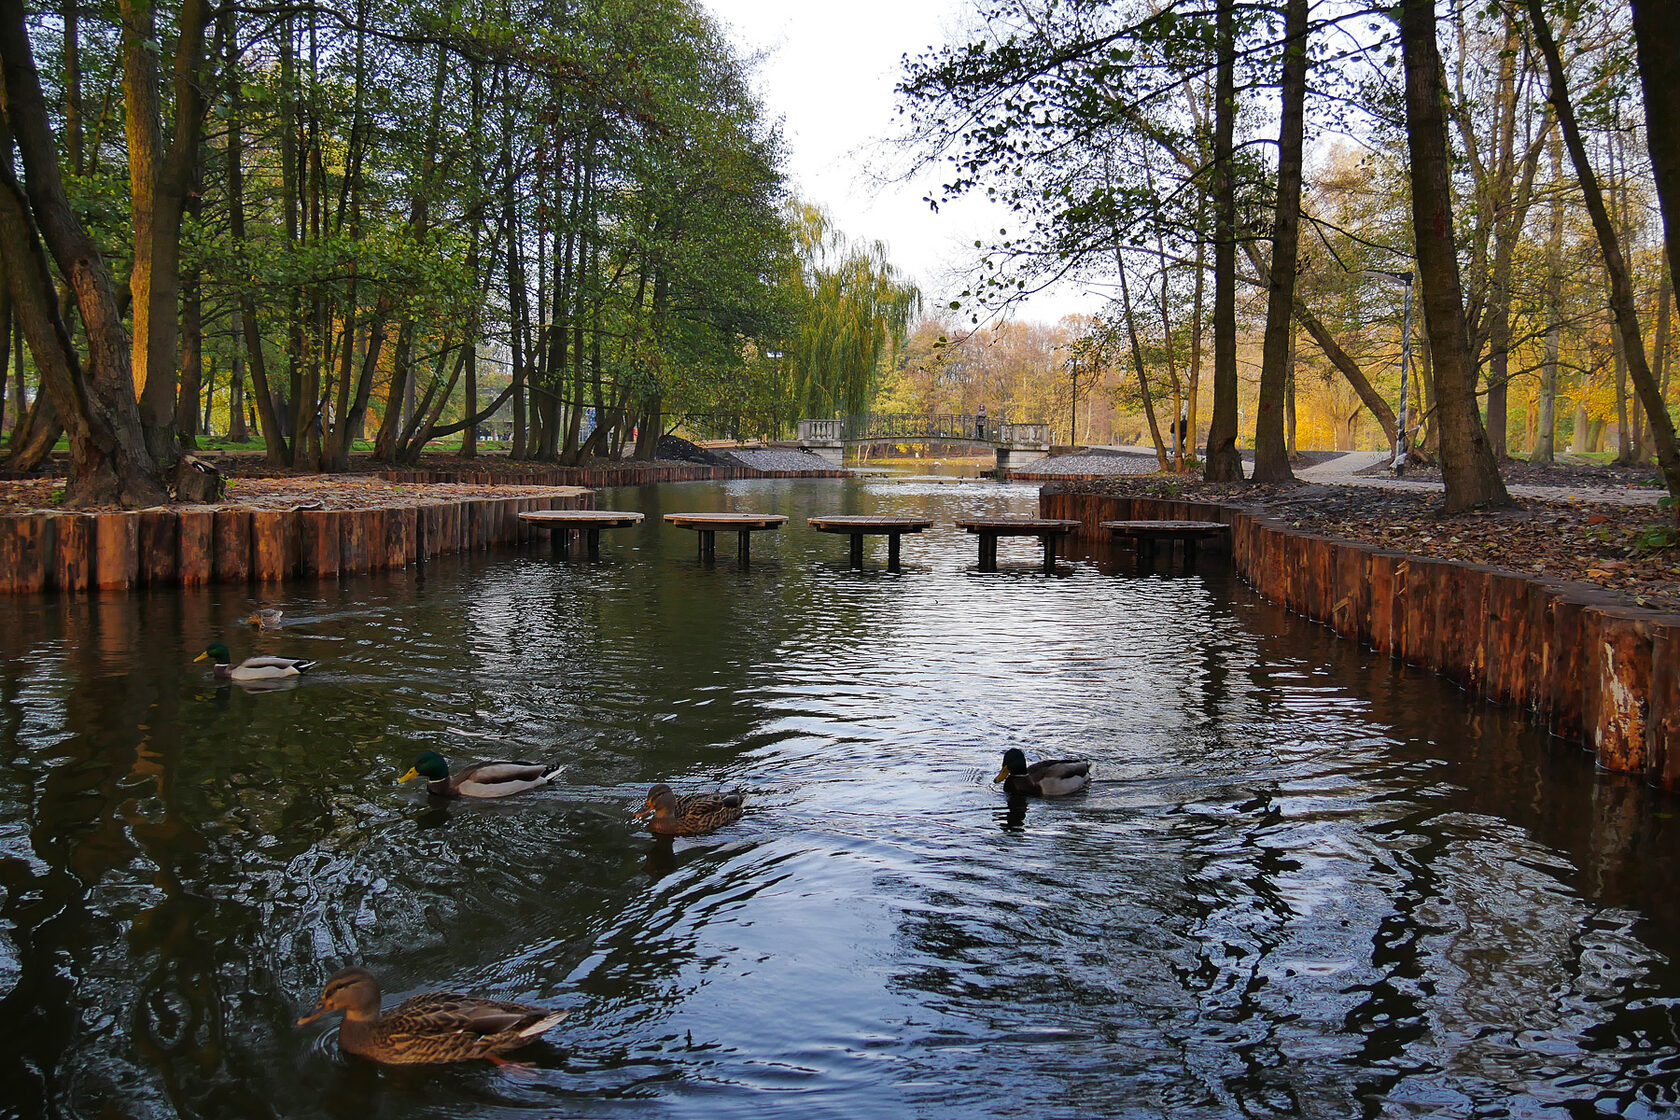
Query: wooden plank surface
x=749 y=522
x=868 y=525
x=1017 y=526
x=581 y=518
x=1167 y=528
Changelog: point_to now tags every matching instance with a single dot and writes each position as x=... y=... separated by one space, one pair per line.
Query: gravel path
x=1343 y=471
x=778 y=459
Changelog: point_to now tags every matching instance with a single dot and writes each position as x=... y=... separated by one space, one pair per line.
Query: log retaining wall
x=187 y=546
x=1589 y=667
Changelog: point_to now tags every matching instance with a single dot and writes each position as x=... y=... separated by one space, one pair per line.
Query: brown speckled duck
x=691 y=814
x=434 y=1027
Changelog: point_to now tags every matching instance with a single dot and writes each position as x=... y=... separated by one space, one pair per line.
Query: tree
x=1467 y=464
x=1271 y=456
x=109 y=461
x=1615 y=263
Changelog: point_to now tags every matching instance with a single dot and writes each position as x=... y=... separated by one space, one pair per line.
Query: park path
x=1343 y=471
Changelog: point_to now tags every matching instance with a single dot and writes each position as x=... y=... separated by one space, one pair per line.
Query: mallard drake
x=691 y=814
x=264 y=618
x=254 y=668
x=1049 y=778
x=483 y=779
x=434 y=1027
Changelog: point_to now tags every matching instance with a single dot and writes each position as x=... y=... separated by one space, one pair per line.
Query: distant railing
x=889 y=426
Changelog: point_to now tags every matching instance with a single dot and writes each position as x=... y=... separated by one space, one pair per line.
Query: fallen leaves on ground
x=1631 y=550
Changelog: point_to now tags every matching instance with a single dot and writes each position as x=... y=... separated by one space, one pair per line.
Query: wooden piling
x=160 y=547
x=116 y=542
x=233 y=545
x=197 y=545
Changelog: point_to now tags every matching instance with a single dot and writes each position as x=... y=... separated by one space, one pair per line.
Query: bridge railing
x=1023 y=433
x=890 y=426
x=821 y=431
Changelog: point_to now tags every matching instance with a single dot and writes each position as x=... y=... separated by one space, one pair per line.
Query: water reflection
x=1303 y=882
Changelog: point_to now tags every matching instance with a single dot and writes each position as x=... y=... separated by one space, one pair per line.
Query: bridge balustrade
x=891 y=426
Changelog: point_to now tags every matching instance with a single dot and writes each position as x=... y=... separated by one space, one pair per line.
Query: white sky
x=828 y=70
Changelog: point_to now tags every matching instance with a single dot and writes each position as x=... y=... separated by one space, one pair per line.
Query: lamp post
x=1073 y=398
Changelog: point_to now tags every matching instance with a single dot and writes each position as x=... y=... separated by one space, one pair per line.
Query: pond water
x=1304 y=883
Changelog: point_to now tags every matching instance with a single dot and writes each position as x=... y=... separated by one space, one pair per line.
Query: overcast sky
x=828 y=70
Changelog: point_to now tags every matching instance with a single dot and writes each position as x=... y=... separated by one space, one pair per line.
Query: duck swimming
x=264 y=618
x=1049 y=778
x=691 y=814
x=483 y=779
x=263 y=668
x=434 y=1027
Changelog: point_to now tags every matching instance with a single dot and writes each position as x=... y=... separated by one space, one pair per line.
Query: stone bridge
x=1013 y=443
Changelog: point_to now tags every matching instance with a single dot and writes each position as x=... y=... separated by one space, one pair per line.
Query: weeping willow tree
x=854 y=312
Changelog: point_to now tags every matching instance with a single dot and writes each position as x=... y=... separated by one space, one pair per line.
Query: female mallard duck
x=484 y=779
x=1050 y=778
x=264 y=618
x=435 y=1027
x=691 y=814
x=254 y=668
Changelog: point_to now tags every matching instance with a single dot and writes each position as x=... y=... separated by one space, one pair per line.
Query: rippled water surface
x=1304 y=883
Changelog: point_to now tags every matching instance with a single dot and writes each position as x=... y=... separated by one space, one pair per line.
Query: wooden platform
x=586 y=523
x=989 y=529
x=858 y=526
x=708 y=524
x=1145 y=534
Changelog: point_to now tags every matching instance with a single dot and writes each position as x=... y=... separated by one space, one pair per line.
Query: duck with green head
x=482 y=779
x=1049 y=778
x=434 y=1027
x=262 y=668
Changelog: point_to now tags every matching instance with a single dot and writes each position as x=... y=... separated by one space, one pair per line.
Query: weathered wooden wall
x=1589 y=667
x=192 y=545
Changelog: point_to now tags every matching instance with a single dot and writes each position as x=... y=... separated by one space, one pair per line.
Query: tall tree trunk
x=20 y=407
x=1224 y=464
x=1137 y=365
x=1665 y=310
x=69 y=12
x=159 y=181
x=1271 y=450
x=237 y=432
x=1467 y=464
x=1546 y=436
x=1289 y=395
x=279 y=451
x=1656 y=35
x=1621 y=283
x=192 y=336
x=109 y=464
x=469 y=406
x=209 y=397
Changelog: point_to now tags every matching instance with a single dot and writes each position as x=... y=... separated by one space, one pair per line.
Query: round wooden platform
x=1048 y=530
x=586 y=523
x=1145 y=534
x=583 y=518
x=1167 y=528
x=708 y=524
x=750 y=522
x=860 y=525
x=867 y=524
x=1017 y=526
